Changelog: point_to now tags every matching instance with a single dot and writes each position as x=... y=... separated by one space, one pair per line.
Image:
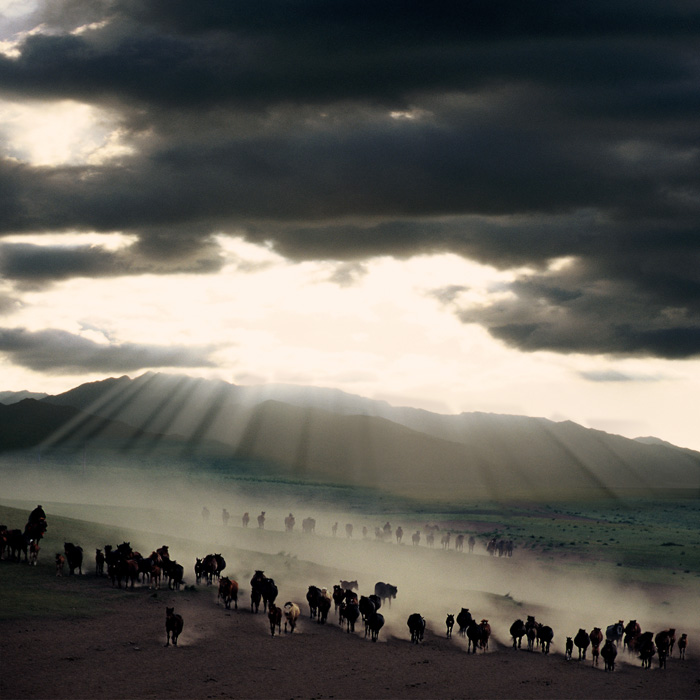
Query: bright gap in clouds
x=59 y=133
x=388 y=331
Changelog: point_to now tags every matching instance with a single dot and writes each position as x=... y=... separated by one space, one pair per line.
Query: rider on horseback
x=37 y=515
x=36 y=524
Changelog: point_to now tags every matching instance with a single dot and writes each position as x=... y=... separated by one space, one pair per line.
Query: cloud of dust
x=167 y=506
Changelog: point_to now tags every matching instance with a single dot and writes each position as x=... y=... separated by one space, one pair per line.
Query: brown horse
x=682 y=645
x=228 y=591
x=274 y=615
x=33 y=552
x=60 y=563
x=632 y=631
x=173 y=626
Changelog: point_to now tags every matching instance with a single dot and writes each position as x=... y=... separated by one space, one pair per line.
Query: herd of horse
x=123 y=564
x=494 y=546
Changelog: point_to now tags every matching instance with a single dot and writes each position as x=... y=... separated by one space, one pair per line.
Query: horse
x=35 y=529
x=99 y=562
x=220 y=565
x=459 y=543
x=596 y=637
x=374 y=624
x=614 y=632
x=324 y=606
x=256 y=589
x=645 y=648
x=399 y=534
x=74 y=557
x=173 y=626
x=206 y=568
x=416 y=626
x=289 y=522
x=569 y=648
x=313 y=596
x=367 y=608
x=415 y=538
x=609 y=652
x=471 y=542
x=126 y=569
x=517 y=632
x=291 y=614
x=176 y=573
x=473 y=636
x=632 y=631
x=582 y=641
x=663 y=645
x=33 y=552
x=385 y=591
x=17 y=544
x=261 y=520
x=268 y=592
x=545 y=635
x=351 y=612
x=338 y=596
x=274 y=615
x=228 y=591
x=60 y=562
x=682 y=645
x=464 y=618
x=449 y=623
x=485 y=634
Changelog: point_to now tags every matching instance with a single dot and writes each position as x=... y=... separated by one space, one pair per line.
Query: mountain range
x=330 y=435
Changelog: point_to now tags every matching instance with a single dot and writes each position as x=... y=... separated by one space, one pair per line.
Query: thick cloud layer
x=510 y=133
x=60 y=351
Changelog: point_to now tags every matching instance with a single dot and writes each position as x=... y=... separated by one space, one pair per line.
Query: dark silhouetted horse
x=173 y=626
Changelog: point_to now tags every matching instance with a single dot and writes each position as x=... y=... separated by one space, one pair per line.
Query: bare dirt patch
x=122 y=654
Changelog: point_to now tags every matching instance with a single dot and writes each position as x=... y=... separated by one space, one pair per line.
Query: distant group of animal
x=15 y=542
x=494 y=546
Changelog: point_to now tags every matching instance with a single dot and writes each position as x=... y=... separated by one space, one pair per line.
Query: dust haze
x=151 y=509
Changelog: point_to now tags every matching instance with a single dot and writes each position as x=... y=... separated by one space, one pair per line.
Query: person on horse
x=37 y=515
x=36 y=524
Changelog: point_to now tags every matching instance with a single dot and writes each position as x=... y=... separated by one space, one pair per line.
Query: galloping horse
x=173 y=626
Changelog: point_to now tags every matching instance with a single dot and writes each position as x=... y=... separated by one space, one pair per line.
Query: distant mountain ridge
x=10 y=397
x=331 y=435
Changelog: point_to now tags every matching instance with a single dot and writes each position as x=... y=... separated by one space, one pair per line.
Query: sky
x=484 y=206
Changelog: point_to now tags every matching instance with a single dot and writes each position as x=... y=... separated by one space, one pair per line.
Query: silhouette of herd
x=123 y=564
x=494 y=546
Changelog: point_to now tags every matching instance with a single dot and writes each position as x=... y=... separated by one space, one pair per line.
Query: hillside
x=367 y=443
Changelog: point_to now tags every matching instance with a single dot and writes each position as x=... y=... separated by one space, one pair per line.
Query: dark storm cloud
x=510 y=133
x=60 y=351
x=581 y=310
x=35 y=265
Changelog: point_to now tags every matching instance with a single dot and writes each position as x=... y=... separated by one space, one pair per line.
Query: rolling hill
x=333 y=436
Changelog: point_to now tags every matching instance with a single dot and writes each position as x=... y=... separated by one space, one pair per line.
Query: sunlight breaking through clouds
x=59 y=133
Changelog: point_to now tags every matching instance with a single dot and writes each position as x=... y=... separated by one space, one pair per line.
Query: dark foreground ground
x=225 y=654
